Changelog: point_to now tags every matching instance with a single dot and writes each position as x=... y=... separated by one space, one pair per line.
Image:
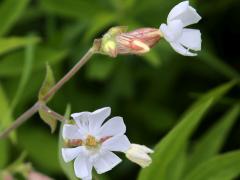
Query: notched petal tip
x=114 y=126
x=105 y=111
x=184 y=12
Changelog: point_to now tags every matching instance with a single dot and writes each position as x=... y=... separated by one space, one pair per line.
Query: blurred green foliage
x=150 y=91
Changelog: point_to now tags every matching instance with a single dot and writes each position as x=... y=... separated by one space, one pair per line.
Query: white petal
x=97 y=118
x=187 y=14
x=117 y=143
x=172 y=31
x=181 y=49
x=142 y=147
x=139 y=154
x=166 y=33
x=71 y=132
x=82 y=167
x=82 y=120
x=191 y=38
x=114 y=126
x=69 y=154
x=176 y=28
x=139 y=157
x=105 y=162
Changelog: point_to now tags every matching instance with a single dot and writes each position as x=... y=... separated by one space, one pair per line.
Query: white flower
x=139 y=155
x=180 y=38
x=92 y=142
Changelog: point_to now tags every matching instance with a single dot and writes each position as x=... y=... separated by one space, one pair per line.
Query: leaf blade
x=12 y=43
x=224 y=166
x=170 y=145
x=11 y=10
x=48 y=83
x=11 y=65
x=214 y=138
x=6 y=113
x=28 y=63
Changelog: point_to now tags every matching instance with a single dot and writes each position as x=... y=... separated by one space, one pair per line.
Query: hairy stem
x=20 y=120
x=31 y=111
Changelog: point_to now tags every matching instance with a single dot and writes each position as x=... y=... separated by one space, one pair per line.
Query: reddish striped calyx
x=118 y=41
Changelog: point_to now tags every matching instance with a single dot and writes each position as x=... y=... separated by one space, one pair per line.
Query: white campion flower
x=91 y=142
x=180 y=38
x=139 y=155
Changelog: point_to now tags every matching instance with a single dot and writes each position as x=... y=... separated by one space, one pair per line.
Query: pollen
x=91 y=141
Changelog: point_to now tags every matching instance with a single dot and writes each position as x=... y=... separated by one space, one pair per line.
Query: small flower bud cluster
x=118 y=41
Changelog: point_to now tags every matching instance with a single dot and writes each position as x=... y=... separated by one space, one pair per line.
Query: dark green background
x=150 y=91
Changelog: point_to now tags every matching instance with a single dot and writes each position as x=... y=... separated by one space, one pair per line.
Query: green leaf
x=48 y=119
x=6 y=115
x=41 y=148
x=12 y=64
x=28 y=63
x=48 y=83
x=213 y=139
x=221 y=167
x=4 y=153
x=66 y=167
x=12 y=43
x=176 y=167
x=18 y=162
x=10 y=12
x=173 y=142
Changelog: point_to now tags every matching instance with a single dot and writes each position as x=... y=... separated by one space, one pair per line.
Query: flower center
x=91 y=142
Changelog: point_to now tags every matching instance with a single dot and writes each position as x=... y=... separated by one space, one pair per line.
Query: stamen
x=91 y=141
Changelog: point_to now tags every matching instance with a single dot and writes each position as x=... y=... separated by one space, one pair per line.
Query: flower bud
x=118 y=41
x=139 y=155
x=138 y=41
